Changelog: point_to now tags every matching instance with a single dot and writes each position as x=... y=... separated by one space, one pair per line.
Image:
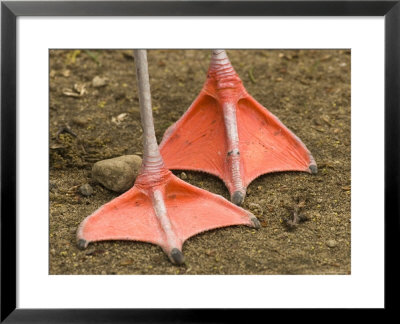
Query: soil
x=308 y=90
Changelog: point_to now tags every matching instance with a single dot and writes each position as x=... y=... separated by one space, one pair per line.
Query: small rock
x=98 y=82
x=119 y=119
x=86 y=190
x=80 y=121
x=78 y=90
x=117 y=174
x=183 y=176
x=331 y=243
x=66 y=73
x=90 y=251
x=256 y=208
x=126 y=262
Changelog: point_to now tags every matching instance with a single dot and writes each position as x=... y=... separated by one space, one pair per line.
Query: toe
x=177 y=256
x=237 y=198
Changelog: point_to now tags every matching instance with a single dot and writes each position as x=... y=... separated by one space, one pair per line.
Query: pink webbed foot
x=227 y=133
x=166 y=214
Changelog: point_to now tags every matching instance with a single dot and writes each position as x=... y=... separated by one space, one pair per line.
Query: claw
x=255 y=221
x=177 y=257
x=314 y=169
x=82 y=244
x=227 y=133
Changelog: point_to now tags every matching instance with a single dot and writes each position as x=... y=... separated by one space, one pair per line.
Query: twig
x=251 y=76
x=66 y=129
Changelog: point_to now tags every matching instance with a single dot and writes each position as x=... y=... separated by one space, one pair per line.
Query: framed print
x=293 y=128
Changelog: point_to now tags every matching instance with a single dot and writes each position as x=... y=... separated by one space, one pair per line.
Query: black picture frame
x=10 y=10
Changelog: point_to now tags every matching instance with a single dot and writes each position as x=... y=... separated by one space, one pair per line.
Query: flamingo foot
x=161 y=210
x=227 y=133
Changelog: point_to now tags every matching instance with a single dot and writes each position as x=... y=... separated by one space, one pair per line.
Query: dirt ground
x=308 y=90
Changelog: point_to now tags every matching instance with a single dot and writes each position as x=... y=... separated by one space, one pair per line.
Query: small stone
x=126 y=262
x=183 y=176
x=119 y=119
x=53 y=252
x=66 y=73
x=90 y=251
x=98 y=82
x=86 y=190
x=331 y=243
x=103 y=272
x=80 y=121
x=117 y=174
x=256 y=208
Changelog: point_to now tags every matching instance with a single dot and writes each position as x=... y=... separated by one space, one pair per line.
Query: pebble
x=98 y=82
x=80 y=121
x=256 y=208
x=183 y=176
x=117 y=174
x=126 y=262
x=66 y=73
x=331 y=243
x=90 y=251
x=86 y=190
